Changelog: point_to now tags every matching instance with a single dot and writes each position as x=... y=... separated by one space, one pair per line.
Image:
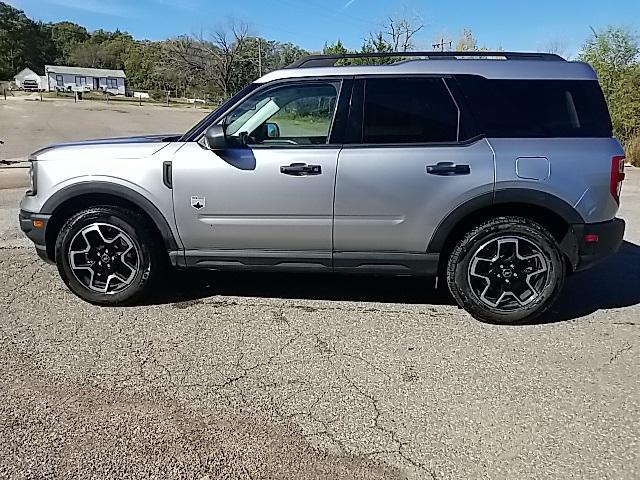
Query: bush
x=633 y=151
x=158 y=95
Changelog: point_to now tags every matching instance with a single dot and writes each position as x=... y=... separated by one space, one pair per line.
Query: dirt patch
x=62 y=120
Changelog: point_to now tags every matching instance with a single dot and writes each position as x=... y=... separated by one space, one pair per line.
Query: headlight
x=33 y=178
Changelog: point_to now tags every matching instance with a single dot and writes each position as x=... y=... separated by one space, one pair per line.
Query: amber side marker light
x=38 y=223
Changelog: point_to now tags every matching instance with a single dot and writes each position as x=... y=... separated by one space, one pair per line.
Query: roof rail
x=330 y=60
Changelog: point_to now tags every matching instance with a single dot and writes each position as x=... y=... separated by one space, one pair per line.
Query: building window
x=59 y=81
x=112 y=82
x=81 y=81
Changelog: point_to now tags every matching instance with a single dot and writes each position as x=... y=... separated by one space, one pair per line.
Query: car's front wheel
x=507 y=270
x=106 y=255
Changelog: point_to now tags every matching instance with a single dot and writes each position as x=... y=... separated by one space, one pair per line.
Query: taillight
x=617 y=176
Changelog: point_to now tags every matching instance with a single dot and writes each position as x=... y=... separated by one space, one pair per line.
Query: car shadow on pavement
x=189 y=286
x=615 y=283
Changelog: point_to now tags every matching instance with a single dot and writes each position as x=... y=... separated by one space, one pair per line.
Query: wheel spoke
x=508 y=273
x=104 y=258
x=83 y=262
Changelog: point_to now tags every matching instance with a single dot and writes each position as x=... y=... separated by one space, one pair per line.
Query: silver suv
x=496 y=172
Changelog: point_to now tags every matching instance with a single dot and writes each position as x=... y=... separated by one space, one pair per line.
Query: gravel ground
x=26 y=124
x=271 y=376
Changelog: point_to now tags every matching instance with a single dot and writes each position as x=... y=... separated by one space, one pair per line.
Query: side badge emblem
x=198 y=202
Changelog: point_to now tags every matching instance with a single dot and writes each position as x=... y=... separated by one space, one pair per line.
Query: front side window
x=59 y=81
x=299 y=114
x=80 y=81
x=112 y=82
x=408 y=110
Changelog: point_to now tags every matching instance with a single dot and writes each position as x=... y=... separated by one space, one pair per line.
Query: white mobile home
x=28 y=74
x=62 y=78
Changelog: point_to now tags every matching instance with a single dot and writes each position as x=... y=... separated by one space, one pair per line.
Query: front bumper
x=609 y=237
x=37 y=234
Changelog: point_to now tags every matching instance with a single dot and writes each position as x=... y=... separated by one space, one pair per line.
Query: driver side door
x=267 y=200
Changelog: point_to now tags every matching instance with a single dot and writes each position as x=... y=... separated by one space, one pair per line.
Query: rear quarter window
x=537 y=108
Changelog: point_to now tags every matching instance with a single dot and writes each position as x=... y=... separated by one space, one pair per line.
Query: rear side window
x=537 y=108
x=408 y=110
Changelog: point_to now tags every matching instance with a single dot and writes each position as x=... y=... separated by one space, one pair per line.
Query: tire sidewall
x=138 y=236
x=472 y=243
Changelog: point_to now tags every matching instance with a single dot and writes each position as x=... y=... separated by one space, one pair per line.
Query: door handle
x=448 y=168
x=301 y=169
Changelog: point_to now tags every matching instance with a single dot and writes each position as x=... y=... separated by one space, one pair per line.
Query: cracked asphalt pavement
x=253 y=376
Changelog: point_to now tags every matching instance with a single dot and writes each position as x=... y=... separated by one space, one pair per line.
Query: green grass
x=300 y=126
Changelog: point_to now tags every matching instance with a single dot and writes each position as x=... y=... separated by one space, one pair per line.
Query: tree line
x=223 y=62
x=219 y=64
x=614 y=53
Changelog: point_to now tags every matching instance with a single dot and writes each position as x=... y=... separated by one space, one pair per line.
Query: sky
x=512 y=25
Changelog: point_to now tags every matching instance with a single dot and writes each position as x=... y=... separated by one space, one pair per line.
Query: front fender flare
x=116 y=190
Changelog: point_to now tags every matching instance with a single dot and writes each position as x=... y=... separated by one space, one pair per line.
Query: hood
x=121 y=148
x=167 y=137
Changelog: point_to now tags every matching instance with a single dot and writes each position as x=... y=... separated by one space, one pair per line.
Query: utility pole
x=259 y=57
x=441 y=44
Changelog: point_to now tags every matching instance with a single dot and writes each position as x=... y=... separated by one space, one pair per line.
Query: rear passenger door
x=406 y=164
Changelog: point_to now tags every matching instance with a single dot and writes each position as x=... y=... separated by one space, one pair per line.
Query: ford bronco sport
x=496 y=172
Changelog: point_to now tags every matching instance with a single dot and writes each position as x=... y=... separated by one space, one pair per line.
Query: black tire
x=138 y=239
x=500 y=257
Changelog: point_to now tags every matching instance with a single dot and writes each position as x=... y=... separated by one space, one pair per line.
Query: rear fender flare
x=521 y=196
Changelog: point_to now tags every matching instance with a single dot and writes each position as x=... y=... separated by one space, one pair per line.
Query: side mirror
x=272 y=130
x=215 y=138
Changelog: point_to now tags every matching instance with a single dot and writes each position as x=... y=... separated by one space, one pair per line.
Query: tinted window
x=409 y=110
x=537 y=108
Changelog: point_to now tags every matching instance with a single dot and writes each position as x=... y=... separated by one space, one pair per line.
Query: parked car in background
x=495 y=172
x=30 y=86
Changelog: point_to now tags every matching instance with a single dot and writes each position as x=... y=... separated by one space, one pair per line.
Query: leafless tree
x=213 y=61
x=400 y=32
x=557 y=46
x=229 y=52
x=467 y=42
x=186 y=62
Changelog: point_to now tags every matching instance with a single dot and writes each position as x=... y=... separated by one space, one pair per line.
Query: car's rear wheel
x=507 y=270
x=106 y=255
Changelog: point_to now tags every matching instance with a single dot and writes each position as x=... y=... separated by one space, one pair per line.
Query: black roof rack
x=330 y=60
